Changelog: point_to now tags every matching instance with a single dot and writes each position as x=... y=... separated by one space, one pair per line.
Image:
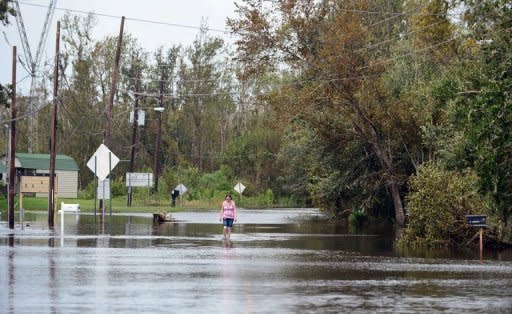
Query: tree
x=481 y=111
x=201 y=99
x=325 y=46
x=6 y=9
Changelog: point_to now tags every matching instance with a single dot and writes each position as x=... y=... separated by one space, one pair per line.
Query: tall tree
x=199 y=89
x=325 y=43
x=481 y=114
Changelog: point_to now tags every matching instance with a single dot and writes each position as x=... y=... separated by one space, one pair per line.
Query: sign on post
x=477 y=220
x=104 y=162
x=101 y=164
x=139 y=179
x=34 y=184
x=103 y=189
x=181 y=188
x=239 y=187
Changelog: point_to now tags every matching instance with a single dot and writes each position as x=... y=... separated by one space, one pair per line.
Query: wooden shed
x=66 y=170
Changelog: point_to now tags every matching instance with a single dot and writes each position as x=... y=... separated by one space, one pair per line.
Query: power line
x=410 y=53
x=135 y=19
x=361 y=11
x=26 y=115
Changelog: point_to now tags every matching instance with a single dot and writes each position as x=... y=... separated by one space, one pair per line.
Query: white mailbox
x=70 y=208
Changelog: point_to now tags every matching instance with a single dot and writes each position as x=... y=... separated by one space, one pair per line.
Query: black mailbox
x=477 y=220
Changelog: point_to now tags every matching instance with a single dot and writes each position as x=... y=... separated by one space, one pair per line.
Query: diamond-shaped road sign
x=239 y=187
x=182 y=188
x=102 y=162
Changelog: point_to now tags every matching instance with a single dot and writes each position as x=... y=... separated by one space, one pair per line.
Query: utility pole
x=12 y=153
x=113 y=85
x=134 y=132
x=159 y=109
x=110 y=107
x=53 y=139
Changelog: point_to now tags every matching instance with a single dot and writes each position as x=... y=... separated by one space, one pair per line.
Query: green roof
x=42 y=162
x=2 y=167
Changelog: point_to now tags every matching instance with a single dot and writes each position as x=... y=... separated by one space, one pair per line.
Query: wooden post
x=56 y=199
x=12 y=150
x=134 y=133
x=20 y=202
x=53 y=143
x=113 y=85
x=157 y=152
x=481 y=243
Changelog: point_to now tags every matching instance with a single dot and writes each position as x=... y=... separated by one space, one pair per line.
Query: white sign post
x=139 y=179
x=182 y=189
x=105 y=161
x=103 y=189
x=101 y=163
x=239 y=187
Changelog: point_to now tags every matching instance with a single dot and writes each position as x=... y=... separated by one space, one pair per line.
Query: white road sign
x=239 y=187
x=102 y=162
x=139 y=179
x=103 y=190
x=180 y=187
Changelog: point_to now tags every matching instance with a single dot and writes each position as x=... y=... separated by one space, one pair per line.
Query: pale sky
x=150 y=35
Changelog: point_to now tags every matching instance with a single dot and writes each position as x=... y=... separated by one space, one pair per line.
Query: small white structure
x=69 y=208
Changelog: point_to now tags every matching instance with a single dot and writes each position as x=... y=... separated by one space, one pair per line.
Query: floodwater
x=278 y=261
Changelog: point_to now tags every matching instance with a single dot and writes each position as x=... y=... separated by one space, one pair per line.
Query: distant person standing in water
x=228 y=215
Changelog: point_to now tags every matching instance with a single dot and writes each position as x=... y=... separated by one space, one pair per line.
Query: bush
x=437 y=205
x=357 y=218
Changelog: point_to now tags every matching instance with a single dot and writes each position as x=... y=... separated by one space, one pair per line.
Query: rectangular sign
x=103 y=190
x=477 y=220
x=34 y=184
x=139 y=179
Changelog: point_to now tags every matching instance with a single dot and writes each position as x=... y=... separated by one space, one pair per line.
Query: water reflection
x=10 y=274
x=275 y=262
x=53 y=280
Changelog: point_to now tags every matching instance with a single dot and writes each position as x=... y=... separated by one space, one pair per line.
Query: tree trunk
x=397 y=202
x=386 y=162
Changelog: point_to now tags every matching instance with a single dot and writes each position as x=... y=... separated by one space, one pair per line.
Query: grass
x=118 y=205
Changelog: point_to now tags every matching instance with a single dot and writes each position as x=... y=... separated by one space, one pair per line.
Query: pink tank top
x=229 y=210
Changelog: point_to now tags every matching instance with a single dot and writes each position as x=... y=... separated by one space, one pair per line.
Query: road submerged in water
x=278 y=261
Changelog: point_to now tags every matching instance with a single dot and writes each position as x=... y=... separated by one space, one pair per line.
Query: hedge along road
x=278 y=261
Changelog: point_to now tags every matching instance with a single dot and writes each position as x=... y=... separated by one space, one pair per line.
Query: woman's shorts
x=228 y=222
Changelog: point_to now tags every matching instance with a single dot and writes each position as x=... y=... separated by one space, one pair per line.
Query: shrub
x=357 y=218
x=437 y=205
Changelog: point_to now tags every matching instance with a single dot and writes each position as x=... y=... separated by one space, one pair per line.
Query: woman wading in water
x=228 y=215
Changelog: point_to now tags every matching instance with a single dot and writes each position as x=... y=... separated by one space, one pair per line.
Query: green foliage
x=356 y=219
x=6 y=9
x=118 y=187
x=252 y=156
x=437 y=204
x=5 y=95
